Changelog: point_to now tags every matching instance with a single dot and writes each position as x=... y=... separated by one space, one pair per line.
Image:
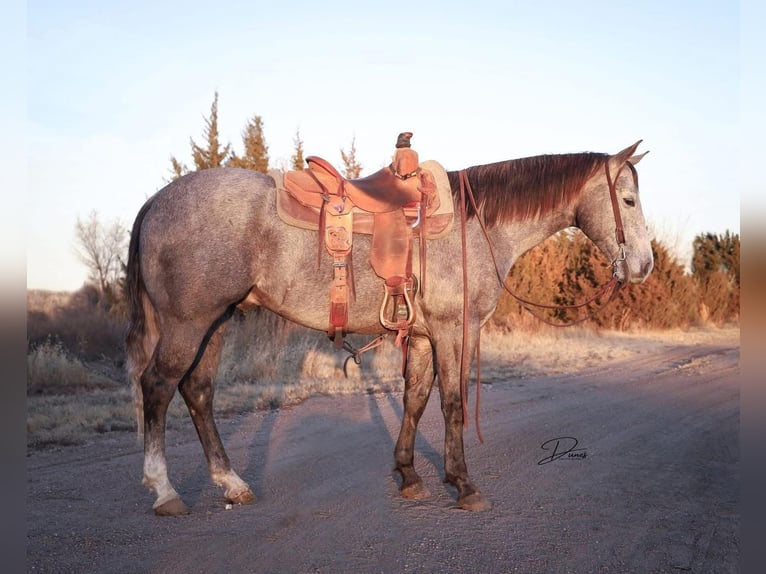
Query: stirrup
x=403 y=314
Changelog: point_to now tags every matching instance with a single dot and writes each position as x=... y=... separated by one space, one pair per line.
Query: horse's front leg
x=455 y=469
x=418 y=383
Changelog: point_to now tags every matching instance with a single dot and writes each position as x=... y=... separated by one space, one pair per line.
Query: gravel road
x=644 y=477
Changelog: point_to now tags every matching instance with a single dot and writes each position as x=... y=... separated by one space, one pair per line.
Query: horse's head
x=596 y=216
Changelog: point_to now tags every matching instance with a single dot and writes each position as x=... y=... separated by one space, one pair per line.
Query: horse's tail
x=143 y=330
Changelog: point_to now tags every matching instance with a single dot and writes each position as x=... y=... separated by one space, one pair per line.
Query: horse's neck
x=513 y=239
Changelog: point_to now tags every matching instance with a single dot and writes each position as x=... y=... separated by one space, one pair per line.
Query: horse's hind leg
x=197 y=390
x=418 y=384
x=172 y=357
x=176 y=351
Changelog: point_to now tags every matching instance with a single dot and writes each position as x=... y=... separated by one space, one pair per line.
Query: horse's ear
x=618 y=160
x=634 y=159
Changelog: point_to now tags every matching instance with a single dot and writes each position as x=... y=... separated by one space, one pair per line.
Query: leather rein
x=614 y=284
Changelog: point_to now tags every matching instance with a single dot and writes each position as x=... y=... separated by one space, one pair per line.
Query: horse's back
x=208 y=198
x=200 y=236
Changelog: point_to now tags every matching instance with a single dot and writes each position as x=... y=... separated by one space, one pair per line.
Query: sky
x=113 y=89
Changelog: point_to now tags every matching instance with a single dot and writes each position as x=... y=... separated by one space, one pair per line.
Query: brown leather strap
x=619 y=231
x=465 y=363
x=338 y=301
x=321 y=236
x=614 y=285
x=356 y=354
x=463 y=374
x=478 y=385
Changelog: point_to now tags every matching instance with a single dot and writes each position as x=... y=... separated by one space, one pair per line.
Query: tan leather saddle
x=395 y=204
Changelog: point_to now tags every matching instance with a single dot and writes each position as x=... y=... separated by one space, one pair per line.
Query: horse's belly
x=312 y=309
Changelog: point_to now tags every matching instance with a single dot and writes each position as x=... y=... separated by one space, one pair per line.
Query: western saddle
x=394 y=205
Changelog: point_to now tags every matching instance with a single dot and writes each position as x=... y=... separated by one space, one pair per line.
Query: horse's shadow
x=423 y=447
x=251 y=455
x=252 y=464
x=248 y=460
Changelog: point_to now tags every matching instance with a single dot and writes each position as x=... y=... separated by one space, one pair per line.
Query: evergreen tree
x=567 y=268
x=713 y=253
x=256 y=151
x=298 y=162
x=177 y=169
x=213 y=154
x=715 y=268
x=668 y=298
x=352 y=167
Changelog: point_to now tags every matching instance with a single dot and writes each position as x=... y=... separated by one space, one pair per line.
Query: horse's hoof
x=415 y=491
x=173 y=507
x=475 y=502
x=244 y=497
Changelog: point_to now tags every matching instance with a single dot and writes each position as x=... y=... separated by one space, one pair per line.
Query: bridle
x=619 y=230
x=612 y=286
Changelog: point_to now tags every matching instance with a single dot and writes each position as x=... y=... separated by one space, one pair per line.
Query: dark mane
x=527 y=188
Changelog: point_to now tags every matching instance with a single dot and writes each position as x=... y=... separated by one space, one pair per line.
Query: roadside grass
x=269 y=363
x=51 y=369
x=70 y=399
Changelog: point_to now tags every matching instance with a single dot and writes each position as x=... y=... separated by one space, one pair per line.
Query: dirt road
x=652 y=484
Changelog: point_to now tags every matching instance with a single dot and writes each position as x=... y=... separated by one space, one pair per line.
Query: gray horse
x=211 y=242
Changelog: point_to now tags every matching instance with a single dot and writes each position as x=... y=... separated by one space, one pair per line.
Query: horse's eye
x=629 y=201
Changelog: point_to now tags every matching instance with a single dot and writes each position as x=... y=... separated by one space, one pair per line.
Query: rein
x=614 y=284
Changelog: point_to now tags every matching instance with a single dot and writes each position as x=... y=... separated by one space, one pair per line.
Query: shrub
x=567 y=268
x=79 y=322
x=52 y=370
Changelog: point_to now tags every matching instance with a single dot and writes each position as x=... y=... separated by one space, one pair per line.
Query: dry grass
x=72 y=419
x=76 y=320
x=67 y=400
x=51 y=369
x=268 y=363
x=550 y=351
x=293 y=363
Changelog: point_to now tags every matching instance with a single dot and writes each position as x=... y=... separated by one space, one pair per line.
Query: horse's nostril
x=647 y=268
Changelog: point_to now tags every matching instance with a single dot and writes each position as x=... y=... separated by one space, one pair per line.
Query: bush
x=51 y=370
x=567 y=268
x=78 y=321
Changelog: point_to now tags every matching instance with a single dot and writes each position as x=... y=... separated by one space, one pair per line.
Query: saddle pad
x=298 y=214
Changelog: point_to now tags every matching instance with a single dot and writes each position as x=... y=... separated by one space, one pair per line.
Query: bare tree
x=101 y=248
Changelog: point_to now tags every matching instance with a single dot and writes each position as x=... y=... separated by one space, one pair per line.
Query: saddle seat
x=380 y=192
